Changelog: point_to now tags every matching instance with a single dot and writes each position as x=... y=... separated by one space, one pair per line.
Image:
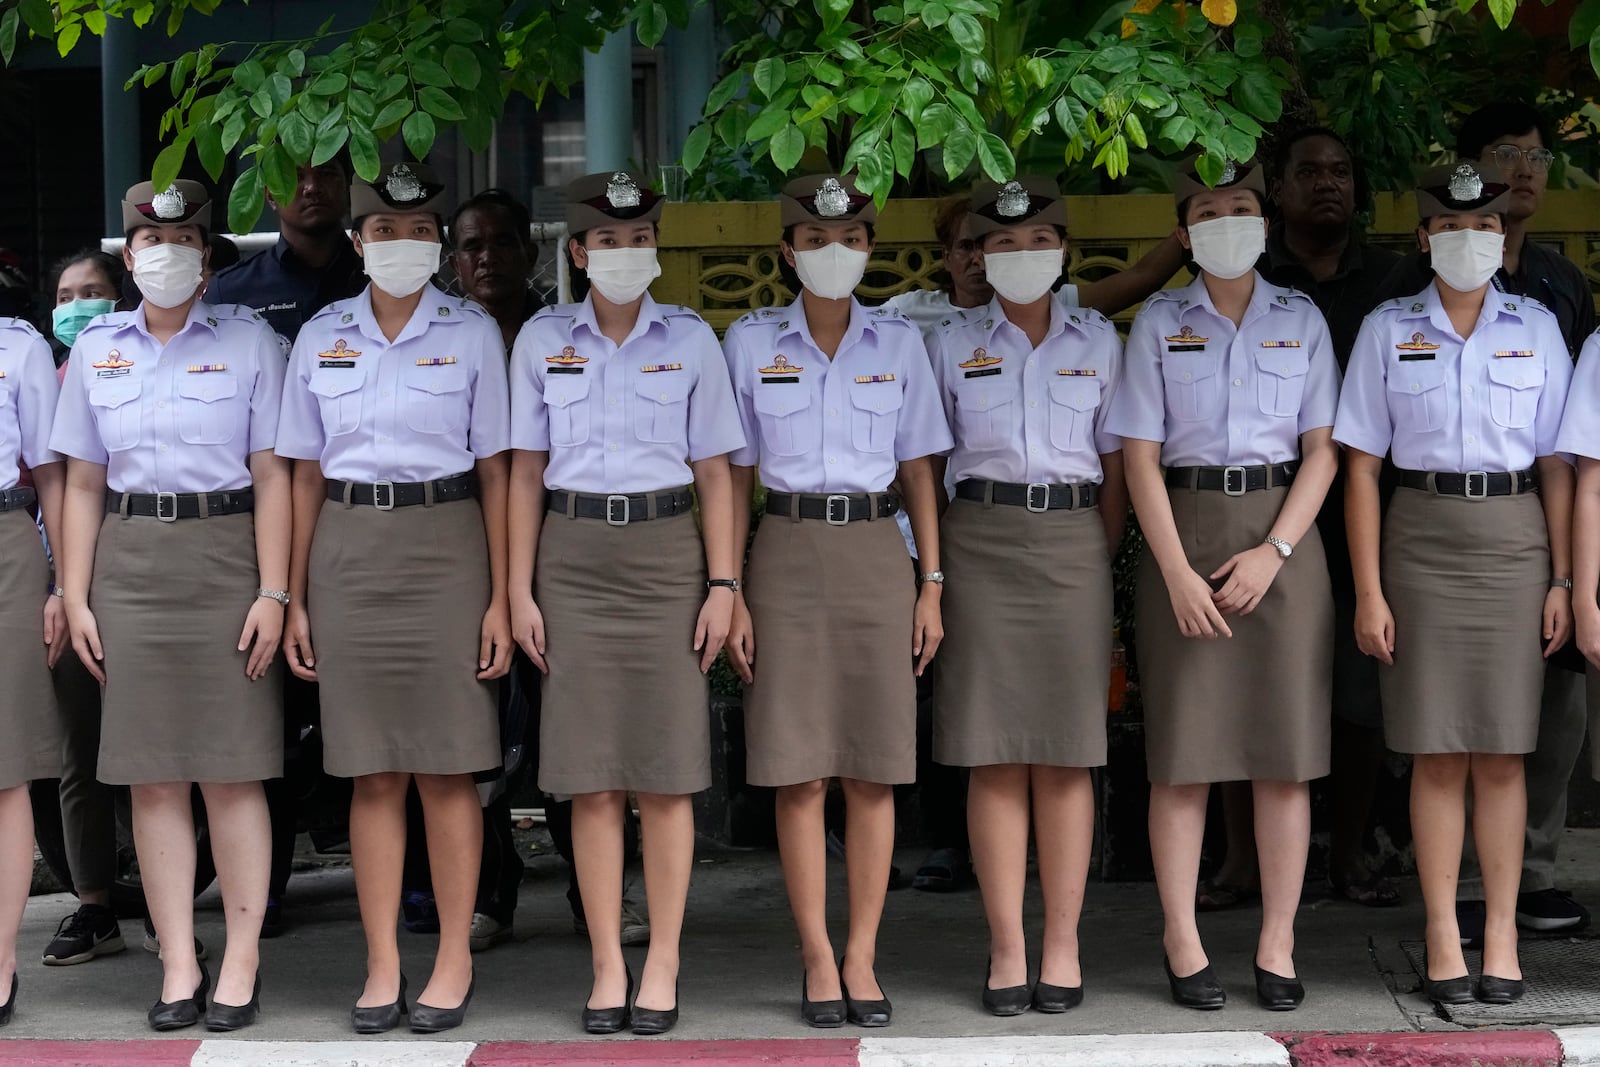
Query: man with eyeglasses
x=1515 y=137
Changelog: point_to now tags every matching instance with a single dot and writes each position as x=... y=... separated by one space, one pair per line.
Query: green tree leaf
x=39 y=17
x=768 y=122
x=364 y=153
x=935 y=124
x=332 y=83
x=463 y=31
x=960 y=144
x=208 y=147
x=418 y=131
x=967 y=33
x=462 y=66
x=651 y=24
x=1502 y=10
x=769 y=76
x=246 y=201
x=1178 y=131
x=329 y=141
x=279 y=171
x=440 y=104
x=994 y=156
x=169 y=161
x=427 y=72
x=695 y=145
x=1585 y=21
x=392 y=112
x=1258 y=96
x=1088 y=89
x=786 y=148
x=298 y=137
x=914 y=96
x=724 y=91
x=903 y=141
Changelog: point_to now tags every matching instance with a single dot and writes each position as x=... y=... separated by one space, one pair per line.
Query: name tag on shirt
x=563 y=370
x=1411 y=357
x=336 y=363
x=982 y=373
x=780 y=381
x=1186 y=348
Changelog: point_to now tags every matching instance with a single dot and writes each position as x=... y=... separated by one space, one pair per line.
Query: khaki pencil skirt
x=30 y=729
x=396 y=600
x=834 y=693
x=1257 y=705
x=170 y=599
x=1024 y=667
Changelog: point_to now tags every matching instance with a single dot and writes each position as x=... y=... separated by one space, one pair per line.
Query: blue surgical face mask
x=67 y=319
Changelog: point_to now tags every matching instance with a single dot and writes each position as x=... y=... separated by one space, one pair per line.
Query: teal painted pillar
x=692 y=58
x=608 y=103
x=119 y=119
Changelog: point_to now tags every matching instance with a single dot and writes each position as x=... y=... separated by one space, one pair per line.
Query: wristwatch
x=56 y=590
x=274 y=594
x=723 y=583
x=936 y=577
x=1561 y=583
x=1282 y=547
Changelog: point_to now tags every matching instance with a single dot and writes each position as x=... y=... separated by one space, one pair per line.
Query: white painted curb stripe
x=1128 y=1050
x=333 y=1054
x=1580 y=1045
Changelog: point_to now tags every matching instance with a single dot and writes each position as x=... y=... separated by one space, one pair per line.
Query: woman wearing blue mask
x=88 y=284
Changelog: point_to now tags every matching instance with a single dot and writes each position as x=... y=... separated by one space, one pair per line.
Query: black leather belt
x=1235 y=481
x=387 y=495
x=22 y=496
x=1474 y=485
x=835 y=508
x=170 y=507
x=619 y=509
x=1035 y=496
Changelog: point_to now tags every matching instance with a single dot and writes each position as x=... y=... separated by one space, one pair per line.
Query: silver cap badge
x=403 y=185
x=1465 y=184
x=1013 y=200
x=1229 y=174
x=169 y=204
x=832 y=201
x=621 y=192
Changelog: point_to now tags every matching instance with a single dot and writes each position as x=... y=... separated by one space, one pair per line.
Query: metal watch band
x=1561 y=583
x=279 y=595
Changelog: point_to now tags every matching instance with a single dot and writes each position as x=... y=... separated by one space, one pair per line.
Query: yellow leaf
x=1219 y=12
x=1140 y=7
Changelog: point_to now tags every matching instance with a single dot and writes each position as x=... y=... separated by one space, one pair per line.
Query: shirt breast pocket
x=1281 y=381
x=1417 y=395
x=661 y=407
x=117 y=410
x=338 y=392
x=1073 y=404
x=206 y=412
x=566 y=398
x=437 y=401
x=984 y=415
x=783 y=414
x=1515 y=386
x=875 y=411
x=1193 y=386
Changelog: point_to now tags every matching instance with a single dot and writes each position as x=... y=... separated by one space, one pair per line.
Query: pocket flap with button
x=564 y=390
x=1517 y=373
x=664 y=388
x=332 y=383
x=782 y=399
x=1283 y=362
x=877 y=397
x=113 y=393
x=208 y=388
x=984 y=396
x=1418 y=377
x=1184 y=367
x=451 y=378
x=1079 y=394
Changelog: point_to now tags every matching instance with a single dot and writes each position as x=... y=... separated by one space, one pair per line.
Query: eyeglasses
x=1509 y=155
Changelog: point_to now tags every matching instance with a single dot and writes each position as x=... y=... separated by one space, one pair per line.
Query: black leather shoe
x=1488 y=990
x=823 y=1014
x=1200 y=990
x=609 y=1020
x=1055 y=999
x=272 y=924
x=648 y=1022
x=871 y=1013
x=1277 y=993
x=181 y=1013
x=9 y=1008
x=426 y=1019
x=222 y=1018
x=382 y=1019
x=1448 y=990
x=1008 y=1000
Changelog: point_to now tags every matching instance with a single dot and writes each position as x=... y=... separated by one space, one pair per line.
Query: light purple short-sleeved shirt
x=183 y=417
x=427 y=406
x=1436 y=403
x=1580 y=422
x=621 y=420
x=816 y=425
x=1025 y=414
x=1213 y=394
x=28 y=392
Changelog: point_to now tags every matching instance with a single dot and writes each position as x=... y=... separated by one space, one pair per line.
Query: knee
x=433 y=787
x=857 y=791
x=160 y=793
x=1441 y=769
x=385 y=788
x=1497 y=771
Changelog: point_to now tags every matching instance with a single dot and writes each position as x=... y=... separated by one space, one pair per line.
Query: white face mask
x=832 y=271
x=1025 y=276
x=622 y=275
x=400 y=267
x=168 y=275
x=1465 y=260
x=1228 y=247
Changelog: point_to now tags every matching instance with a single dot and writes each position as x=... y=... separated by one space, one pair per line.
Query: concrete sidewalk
x=741 y=975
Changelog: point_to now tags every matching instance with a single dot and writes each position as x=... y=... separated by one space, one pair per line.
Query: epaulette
x=340 y=309
x=20 y=324
x=1161 y=295
x=109 y=319
x=1285 y=294
x=234 y=311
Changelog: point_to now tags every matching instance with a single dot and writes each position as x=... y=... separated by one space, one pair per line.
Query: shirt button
x=163 y=361
x=613 y=447
x=1519 y=381
x=163 y=448
x=384 y=438
x=833 y=459
x=1030 y=362
x=1187 y=376
x=1033 y=403
x=1415 y=388
x=1469 y=390
x=387 y=393
x=834 y=412
x=1033 y=451
x=1238 y=432
x=1238 y=381
x=161 y=403
x=663 y=398
x=1471 y=440
x=613 y=401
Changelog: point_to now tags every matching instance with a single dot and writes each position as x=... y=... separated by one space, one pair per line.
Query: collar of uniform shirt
x=199 y=312
x=435 y=306
x=650 y=315
x=1261 y=300
x=1495 y=304
x=994 y=317
x=862 y=321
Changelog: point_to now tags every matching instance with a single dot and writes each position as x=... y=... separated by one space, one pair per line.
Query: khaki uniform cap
x=609 y=197
x=401 y=188
x=824 y=198
x=1463 y=186
x=182 y=202
x=1027 y=200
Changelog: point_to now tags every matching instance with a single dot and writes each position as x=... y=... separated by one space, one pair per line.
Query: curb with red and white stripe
x=1569 y=1047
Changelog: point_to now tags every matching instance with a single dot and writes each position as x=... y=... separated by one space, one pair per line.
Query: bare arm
x=922 y=508
x=1113 y=500
x=307 y=489
x=741 y=643
x=524 y=521
x=714 y=486
x=1555 y=490
x=1586 y=559
x=1362 y=522
x=1126 y=288
x=50 y=482
x=494 y=649
x=83 y=509
x=264 y=622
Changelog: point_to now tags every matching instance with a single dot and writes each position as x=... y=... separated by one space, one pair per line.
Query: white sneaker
x=487 y=932
x=152 y=943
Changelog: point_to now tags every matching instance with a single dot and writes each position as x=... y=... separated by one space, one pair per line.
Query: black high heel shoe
x=1488 y=990
x=1008 y=1000
x=9 y=1008
x=224 y=1018
x=823 y=1014
x=610 y=1020
x=1055 y=999
x=1277 y=993
x=382 y=1019
x=181 y=1013
x=648 y=1022
x=871 y=1013
x=426 y=1019
x=1201 y=990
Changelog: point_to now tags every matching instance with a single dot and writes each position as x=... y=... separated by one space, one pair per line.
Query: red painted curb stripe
x=1492 y=1048
x=98 y=1053
x=808 y=1052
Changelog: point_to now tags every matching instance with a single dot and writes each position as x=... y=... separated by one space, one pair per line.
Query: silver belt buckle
x=1467 y=487
x=167 y=507
x=611 y=509
x=843 y=503
x=380 y=488
x=1228 y=474
x=1044 y=497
